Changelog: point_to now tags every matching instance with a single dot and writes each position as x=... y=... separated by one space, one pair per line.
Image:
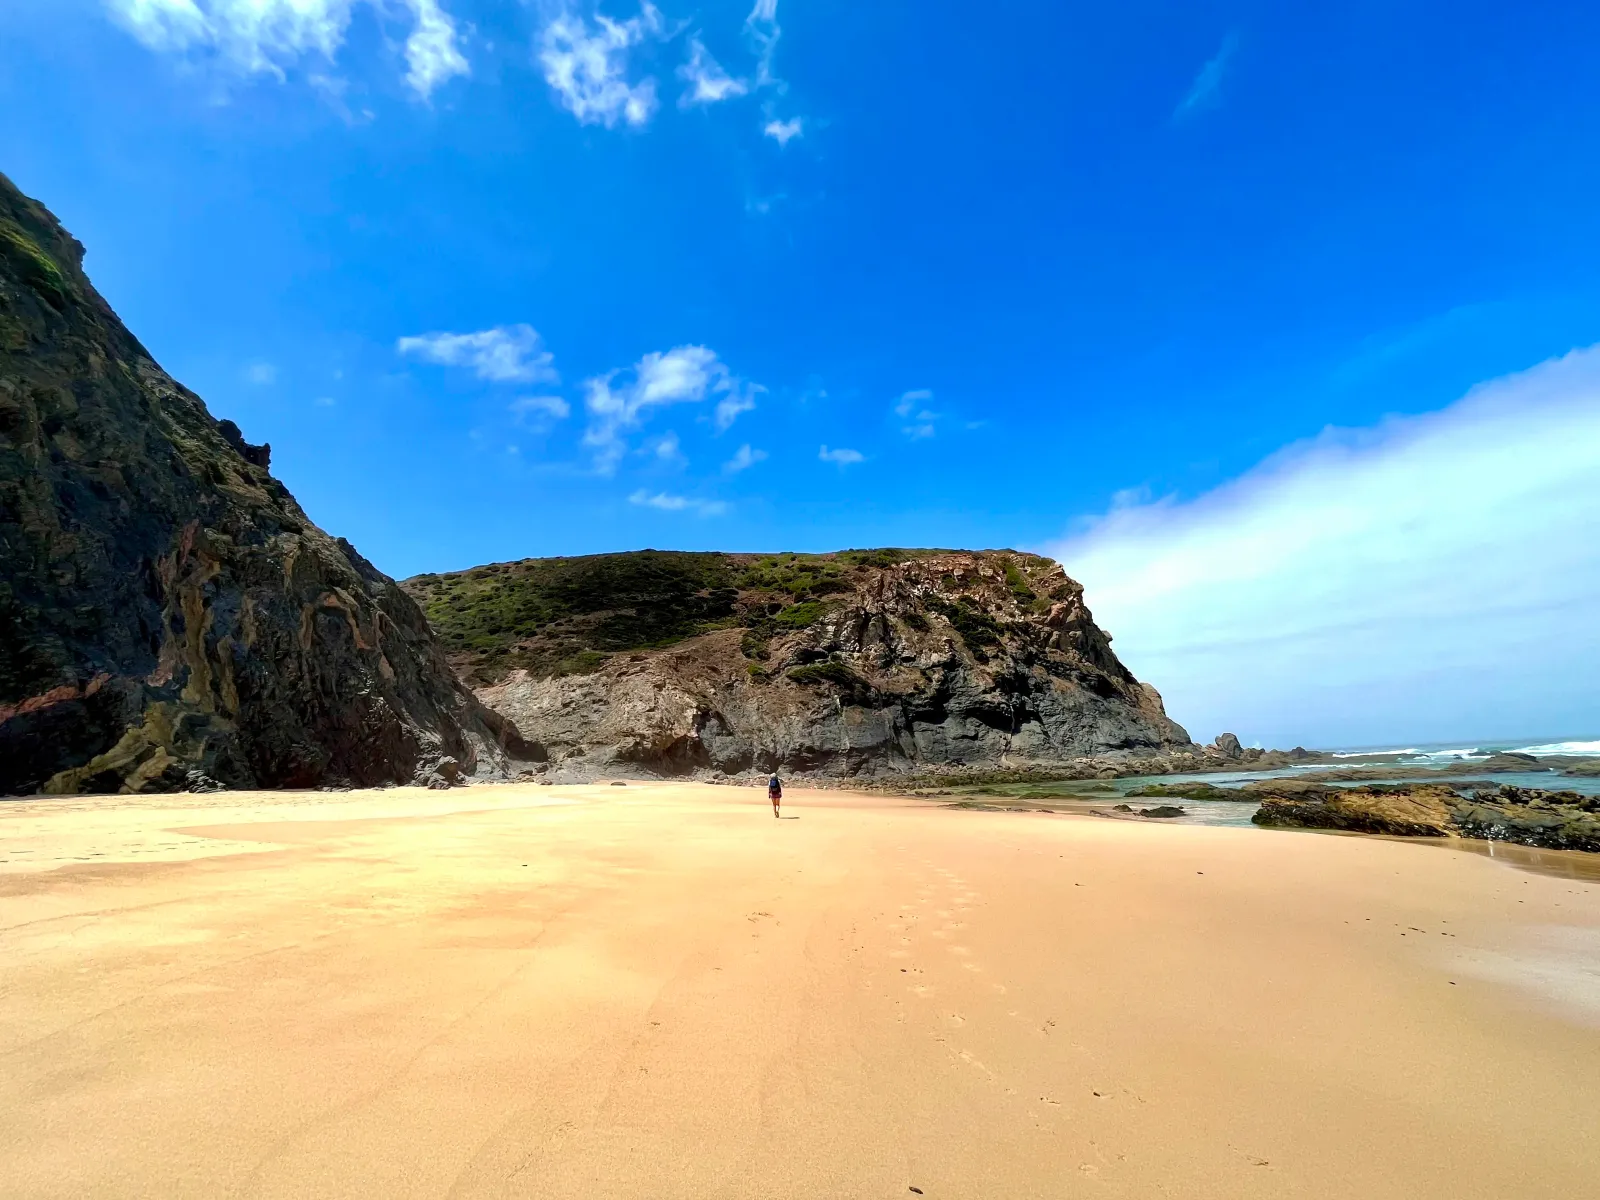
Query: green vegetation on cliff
x=557 y=616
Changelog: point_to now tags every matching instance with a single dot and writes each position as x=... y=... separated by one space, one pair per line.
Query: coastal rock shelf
x=1552 y=820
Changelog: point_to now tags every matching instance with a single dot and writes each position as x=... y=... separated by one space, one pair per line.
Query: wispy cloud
x=261 y=373
x=923 y=420
x=535 y=410
x=670 y=503
x=505 y=354
x=433 y=53
x=1206 y=90
x=684 y=374
x=841 y=456
x=762 y=205
x=908 y=401
x=740 y=398
x=1427 y=578
x=762 y=28
x=783 y=132
x=708 y=82
x=667 y=448
x=271 y=36
x=587 y=66
x=762 y=31
x=744 y=458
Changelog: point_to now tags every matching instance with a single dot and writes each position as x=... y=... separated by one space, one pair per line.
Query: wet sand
x=660 y=991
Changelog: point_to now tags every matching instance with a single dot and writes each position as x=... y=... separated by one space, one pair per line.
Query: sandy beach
x=658 y=990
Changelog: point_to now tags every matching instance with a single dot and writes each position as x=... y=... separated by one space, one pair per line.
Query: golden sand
x=659 y=991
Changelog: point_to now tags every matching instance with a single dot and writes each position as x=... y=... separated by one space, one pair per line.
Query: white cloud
x=741 y=398
x=841 y=456
x=761 y=27
x=505 y=354
x=708 y=82
x=783 y=131
x=668 y=448
x=1206 y=90
x=261 y=373
x=670 y=503
x=743 y=459
x=432 y=53
x=1425 y=579
x=534 y=408
x=270 y=36
x=588 y=66
x=909 y=400
x=684 y=374
x=763 y=32
x=924 y=423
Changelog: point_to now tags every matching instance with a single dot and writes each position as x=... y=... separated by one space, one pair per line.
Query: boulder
x=1228 y=746
x=1423 y=811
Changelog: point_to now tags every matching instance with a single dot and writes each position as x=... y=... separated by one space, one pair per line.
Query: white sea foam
x=1450 y=755
x=1561 y=748
x=1372 y=753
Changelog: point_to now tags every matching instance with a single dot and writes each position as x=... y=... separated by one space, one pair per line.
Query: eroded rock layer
x=169 y=618
x=857 y=664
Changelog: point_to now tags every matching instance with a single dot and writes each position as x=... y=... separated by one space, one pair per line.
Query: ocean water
x=1448 y=752
x=1437 y=757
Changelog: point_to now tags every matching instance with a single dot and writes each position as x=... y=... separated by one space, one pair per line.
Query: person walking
x=774 y=793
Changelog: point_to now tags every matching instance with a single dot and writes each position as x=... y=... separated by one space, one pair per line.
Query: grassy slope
x=565 y=615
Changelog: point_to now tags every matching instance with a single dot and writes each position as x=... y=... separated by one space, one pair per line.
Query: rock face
x=169 y=618
x=1527 y=816
x=858 y=664
x=1227 y=745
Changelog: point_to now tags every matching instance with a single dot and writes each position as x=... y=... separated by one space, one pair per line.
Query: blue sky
x=501 y=279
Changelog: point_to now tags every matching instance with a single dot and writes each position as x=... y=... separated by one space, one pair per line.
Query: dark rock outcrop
x=1228 y=746
x=169 y=618
x=1527 y=816
x=886 y=662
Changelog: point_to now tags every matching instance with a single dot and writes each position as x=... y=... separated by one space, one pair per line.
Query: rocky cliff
x=859 y=663
x=168 y=615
